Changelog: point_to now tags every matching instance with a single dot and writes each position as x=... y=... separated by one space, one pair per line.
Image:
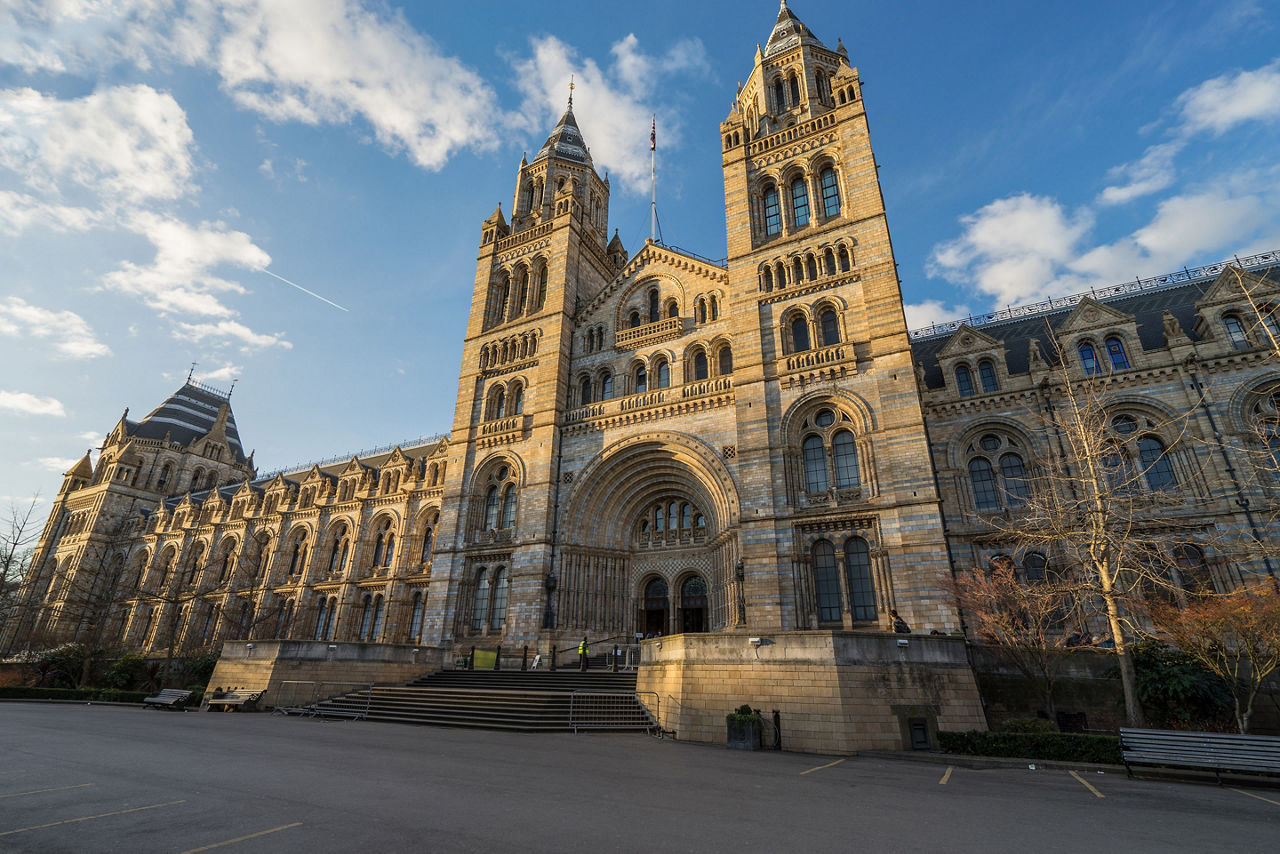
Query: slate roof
x=566 y=141
x=789 y=31
x=1147 y=307
x=188 y=414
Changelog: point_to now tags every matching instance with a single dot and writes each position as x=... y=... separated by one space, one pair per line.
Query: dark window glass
x=826 y=581
x=726 y=361
x=987 y=372
x=799 y=202
x=862 y=588
x=1156 y=465
x=815 y=465
x=1016 y=490
x=700 y=366
x=1033 y=567
x=799 y=334
x=1115 y=351
x=830 y=328
x=830 y=192
x=844 y=453
x=1088 y=359
x=772 y=213
x=642 y=380
x=1235 y=331
x=983 y=480
x=964 y=381
x=664 y=374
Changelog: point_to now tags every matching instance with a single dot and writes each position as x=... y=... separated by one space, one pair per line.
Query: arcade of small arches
x=514 y=348
x=516 y=291
x=806 y=267
x=784 y=203
x=803 y=327
x=701 y=361
x=504 y=400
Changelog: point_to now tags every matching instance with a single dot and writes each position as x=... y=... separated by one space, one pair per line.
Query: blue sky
x=157 y=157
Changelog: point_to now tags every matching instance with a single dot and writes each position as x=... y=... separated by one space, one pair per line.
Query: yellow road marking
x=38 y=791
x=243 y=838
x=946 y=776
x=820 y=767
x=1259 y=797
x=89 y=817
x=1087 y=785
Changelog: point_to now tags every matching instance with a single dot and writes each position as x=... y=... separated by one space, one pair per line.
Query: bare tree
x=1236 y=636
x=18 y=534
x=1028 y=622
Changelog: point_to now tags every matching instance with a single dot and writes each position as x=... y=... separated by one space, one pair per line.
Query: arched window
x=542 y=289
x=844 y=456
x=197 y=557
x=830 y=192
x=1115 y=352
x=585 y=390
x=983 y=481
x=964 y=381
x=606 y=386
x=298 y=559
x=1193 y=571
x=322 y=618
x=390 y=550
x=815 y=465
x=767 y=278
x=779 y=95
x=633 y=320
x=228 y=561
x=653 y=306
x=491 y=504
x=673 y=308
x=726 y=360
x=165 y=472
x=1235 y=332
x=480 y=606
x=415 y=619
x=797 y=270
x=826 y=582
x=664 y=373
x=862 y=586
x=498 y=404
x=795 y=90
x=829 y=262
x=1156 y=465
x=830 y=326
x=379 y=611
x=1014 y=474
x=428 y=542
x=686 y=516
x=517 y=399
x=509 y=506
x=715 y=308
x=844 y=259
x=499 y=615
x=1033 y=568
x=799 y=333
x=987 y=373
x=799 y=202
x=1088 y=358
x=700 y=369
x=642 y=380
x=772 y=212
x=522 y=294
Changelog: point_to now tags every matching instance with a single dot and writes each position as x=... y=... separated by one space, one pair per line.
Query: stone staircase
x=522 y=701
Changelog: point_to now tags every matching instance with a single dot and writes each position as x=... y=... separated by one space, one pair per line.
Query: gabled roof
x=789 y=31
x=566 y=142
x=189 y=414
x=82 y=470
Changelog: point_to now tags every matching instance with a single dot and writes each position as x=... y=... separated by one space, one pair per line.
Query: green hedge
x=1061 y=746
x=102 y=695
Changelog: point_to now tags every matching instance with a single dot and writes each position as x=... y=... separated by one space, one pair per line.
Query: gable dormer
x=973 y=363
x=1098 y=339
x=1240 y=311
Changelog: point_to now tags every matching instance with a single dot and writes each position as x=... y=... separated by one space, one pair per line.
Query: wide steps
x=525 y=701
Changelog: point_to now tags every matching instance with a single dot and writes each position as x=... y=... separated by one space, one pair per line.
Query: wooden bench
x=233 y=701
x=1204 y=751
x=169 y=698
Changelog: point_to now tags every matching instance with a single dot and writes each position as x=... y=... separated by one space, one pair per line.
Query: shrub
x=743 y=714
x=1029 y=725
x=1060 y=746
x=125 y=672
x=1177 y=692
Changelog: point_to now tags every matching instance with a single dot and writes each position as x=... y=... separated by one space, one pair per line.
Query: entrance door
x=693 y=604
x=655 y=608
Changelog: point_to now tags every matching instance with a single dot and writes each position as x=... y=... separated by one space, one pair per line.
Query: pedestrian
x=899 y=625
x=583 y=652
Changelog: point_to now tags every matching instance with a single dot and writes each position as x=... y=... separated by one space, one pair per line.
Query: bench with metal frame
x=1203 y=751
x=174 y=699
x=238 y=701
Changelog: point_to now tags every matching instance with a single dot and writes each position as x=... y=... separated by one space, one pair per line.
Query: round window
x=825 y=418
x=989 y=442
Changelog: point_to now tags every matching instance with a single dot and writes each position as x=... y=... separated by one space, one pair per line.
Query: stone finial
x=1173 y=331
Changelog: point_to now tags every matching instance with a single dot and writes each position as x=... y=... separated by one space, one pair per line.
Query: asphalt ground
x=94 y=778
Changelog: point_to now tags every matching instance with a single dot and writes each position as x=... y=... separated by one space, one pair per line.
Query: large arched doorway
x=693 y=604
x=653 y=616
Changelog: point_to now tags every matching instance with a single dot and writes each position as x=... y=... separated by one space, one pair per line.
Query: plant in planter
x=745 y=728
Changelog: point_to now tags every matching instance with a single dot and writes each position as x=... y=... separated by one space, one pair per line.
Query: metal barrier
x=295 y=697
x=612 y=710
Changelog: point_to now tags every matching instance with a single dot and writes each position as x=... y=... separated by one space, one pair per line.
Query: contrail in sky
x=301 y=288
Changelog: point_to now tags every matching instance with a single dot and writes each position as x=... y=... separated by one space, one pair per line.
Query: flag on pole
x=653 y=135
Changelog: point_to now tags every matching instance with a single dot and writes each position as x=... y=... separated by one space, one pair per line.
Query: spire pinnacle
x=571 y=91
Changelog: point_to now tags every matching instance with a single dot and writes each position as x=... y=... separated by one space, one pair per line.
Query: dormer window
x=1117 y=355
x=964 y=381
x=1235 y=332
x=987 y=373
x=1088 y=358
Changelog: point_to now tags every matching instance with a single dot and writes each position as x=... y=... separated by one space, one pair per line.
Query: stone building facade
x=655 y=444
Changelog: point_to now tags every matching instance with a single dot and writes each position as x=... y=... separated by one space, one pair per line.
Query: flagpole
x=653 y=181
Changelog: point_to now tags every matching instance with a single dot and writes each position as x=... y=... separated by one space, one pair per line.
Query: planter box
x=744 y=733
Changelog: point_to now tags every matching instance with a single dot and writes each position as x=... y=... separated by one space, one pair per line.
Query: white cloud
x=227 y=372
x=126 y=143
x=931 y=311
x=180 y=280
x=1150 y=174
x=613 y=106
x=58 y=464
x=19 y=211
x=230 y=330
x=28 y=404
x=1226 y=101
x=69 y=333
x=93 y=436
x=1012 y=248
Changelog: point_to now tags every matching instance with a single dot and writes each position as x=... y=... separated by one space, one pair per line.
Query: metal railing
x=1252 y=263
x=298 y=697
x=612 y=710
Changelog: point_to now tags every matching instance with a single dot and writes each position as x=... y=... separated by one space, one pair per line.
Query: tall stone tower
x=836 y=480
x=532 y=275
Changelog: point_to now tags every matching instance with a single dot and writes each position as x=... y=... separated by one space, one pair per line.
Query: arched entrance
x=654 y=611
x=693 y=604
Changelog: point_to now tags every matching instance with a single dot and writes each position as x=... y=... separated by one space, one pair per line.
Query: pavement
x=94 y=778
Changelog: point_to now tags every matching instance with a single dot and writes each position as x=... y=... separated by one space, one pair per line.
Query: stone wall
x=836 y=692
x=265 y=665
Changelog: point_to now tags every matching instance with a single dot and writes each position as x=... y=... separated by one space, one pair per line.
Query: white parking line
x=38 y=791
x=243 y=838
x=89 y=817
x=1087 y=784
